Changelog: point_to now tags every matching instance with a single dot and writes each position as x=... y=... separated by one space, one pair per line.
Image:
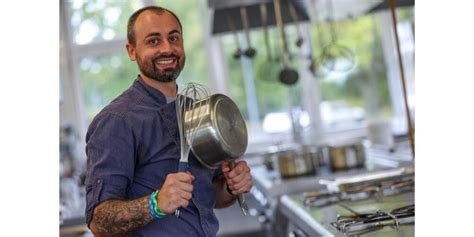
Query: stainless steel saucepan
x=220 y=136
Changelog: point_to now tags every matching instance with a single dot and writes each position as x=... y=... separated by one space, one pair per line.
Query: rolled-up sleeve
x=110 y=153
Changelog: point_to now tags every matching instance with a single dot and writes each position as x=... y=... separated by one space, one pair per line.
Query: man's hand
x=238 y=179
x=176 y=192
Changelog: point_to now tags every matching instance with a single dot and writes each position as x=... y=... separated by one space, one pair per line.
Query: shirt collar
x=154 y=93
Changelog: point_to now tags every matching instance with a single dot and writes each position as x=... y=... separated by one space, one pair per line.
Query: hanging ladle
x=294 y=17
x=288 y=75
x=250 y=52
x=230 y=22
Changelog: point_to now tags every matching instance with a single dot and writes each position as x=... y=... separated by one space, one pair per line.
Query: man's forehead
x=162 y=19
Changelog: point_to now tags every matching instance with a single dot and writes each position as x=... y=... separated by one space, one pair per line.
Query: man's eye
x=173 y=38
x=153 y=41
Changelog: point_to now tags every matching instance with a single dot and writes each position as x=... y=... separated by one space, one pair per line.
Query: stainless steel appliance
x=346 y=156
x=378 y=203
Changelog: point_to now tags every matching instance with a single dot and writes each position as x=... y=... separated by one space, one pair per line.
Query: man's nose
x=166 y=47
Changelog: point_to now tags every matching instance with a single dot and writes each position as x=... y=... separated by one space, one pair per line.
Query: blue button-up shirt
x=132 y=145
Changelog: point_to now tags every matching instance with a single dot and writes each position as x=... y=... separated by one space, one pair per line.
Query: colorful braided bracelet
x=153 y=205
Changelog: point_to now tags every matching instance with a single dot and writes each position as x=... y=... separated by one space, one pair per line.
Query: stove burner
x=361 y=191
x=367 y=222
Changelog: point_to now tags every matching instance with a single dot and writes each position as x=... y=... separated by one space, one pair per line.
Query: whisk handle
x=183 y=166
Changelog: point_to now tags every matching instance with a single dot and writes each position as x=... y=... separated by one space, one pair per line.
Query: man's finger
x=225 y=167
x=185 y=177
x=238 y=170
x=186 y=187
x=186 y=195
x=242 y=183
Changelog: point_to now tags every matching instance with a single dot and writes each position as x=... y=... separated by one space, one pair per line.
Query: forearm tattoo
x=118 y=217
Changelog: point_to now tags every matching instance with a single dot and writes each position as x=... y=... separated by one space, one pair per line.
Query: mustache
x=160 y=56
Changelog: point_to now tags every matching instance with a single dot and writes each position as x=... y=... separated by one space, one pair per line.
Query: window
x=353 y=95
x=349 y=99
x=273 y=98
x=97 y=20
x=103 y=76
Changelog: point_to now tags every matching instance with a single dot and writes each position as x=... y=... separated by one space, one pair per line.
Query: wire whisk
x=189 y=119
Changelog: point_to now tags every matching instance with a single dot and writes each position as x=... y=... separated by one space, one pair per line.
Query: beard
x=149 y=69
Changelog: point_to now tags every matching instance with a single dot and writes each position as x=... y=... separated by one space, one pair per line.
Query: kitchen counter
x=269 y=187
x=315 y=221
x=272 y=185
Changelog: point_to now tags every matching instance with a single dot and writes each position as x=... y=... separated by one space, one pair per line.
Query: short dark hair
x=134 y=16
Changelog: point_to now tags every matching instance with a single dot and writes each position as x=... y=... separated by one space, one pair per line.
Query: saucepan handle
x=240 y=198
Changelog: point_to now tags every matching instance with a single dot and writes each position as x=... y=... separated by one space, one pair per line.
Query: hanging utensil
x=230 y=22
x=294 y=17
x=336 y=57
x=187 y=100
x=264 y=18
x=288 y=75
x=268 y=71
x=250 y=52
x=277 y=50
x=314 y=65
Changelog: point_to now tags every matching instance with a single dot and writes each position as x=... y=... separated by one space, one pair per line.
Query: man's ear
x=131 y=51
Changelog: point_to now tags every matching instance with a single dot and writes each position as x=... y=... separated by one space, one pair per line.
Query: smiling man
x=132 y=182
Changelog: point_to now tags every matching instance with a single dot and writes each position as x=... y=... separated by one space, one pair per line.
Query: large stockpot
x=221 y=135
x=293 y=164
x=346 y=157
x=294 y=161
x=317 y=154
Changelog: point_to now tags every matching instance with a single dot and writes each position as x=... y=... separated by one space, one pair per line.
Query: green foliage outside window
x=104 y=78
x=362 y=35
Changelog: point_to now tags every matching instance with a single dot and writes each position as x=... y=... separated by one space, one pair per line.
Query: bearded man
x=132 y=183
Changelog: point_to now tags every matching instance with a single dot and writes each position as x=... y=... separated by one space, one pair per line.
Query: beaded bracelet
x=153 y=205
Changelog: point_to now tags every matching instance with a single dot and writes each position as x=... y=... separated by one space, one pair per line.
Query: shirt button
x=99 y=181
